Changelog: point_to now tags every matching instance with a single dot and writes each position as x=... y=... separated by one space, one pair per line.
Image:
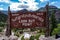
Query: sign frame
x=40 y=15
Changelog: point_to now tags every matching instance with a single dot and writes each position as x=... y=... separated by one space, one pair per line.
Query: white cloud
x=14 y=6
x=26 y=0
x=32 y=5
x=1 y=9
x=6 y=1
x=44 y=0
x=53 y=3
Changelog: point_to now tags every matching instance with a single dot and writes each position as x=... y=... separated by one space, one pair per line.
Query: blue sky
x=26 y=4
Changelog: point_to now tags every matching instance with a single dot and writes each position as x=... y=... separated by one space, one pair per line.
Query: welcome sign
x=28 y=19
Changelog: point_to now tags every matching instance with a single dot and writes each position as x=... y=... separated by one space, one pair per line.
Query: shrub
x=1 y=29
x=37 y=36
x=22 y=38
x=32 y=38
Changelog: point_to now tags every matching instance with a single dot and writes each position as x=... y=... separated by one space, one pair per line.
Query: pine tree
x=53 y=22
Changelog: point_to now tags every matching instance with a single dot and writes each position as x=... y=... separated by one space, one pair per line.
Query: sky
x=33 y=5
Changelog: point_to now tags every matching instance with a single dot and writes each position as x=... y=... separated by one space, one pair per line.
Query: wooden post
x=8 y=29
x=47 y=31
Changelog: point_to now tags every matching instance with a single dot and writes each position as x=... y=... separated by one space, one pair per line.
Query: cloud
x=23 y=6
x=26 y=0
x=31 y=5
x=1 y=9
x=6 y=1
x=14 y=6
x=43 y=0
x=53 y=3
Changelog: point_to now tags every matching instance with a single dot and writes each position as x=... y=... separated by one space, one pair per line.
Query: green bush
x=59 y=25
x=33 y=30
x=56 y=31
x=37 y=36
x=1 y=30
x=32 y=38
x=2 y=24
x=22 y=38
x=17 y=34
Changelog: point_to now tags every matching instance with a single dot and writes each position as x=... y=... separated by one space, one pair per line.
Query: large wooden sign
x=27 y=19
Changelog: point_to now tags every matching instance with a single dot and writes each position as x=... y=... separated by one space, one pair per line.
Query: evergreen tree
x=53 y=22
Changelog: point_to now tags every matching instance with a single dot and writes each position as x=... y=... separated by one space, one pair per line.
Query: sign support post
x=47 y=31
x=8 y=30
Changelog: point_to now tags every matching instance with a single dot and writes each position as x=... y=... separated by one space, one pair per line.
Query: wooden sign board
x=27 y=19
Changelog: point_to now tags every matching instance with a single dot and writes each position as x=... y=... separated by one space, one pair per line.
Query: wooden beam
x=8 y=29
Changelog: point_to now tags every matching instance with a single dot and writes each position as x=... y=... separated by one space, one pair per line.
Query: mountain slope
x=3 y=17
